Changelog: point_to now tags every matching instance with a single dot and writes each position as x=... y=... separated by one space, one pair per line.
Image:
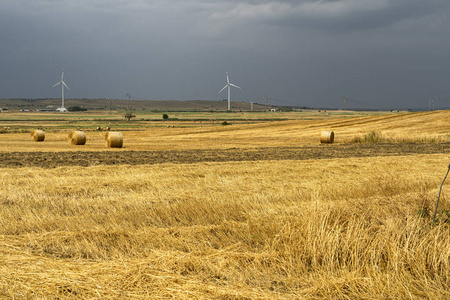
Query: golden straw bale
x=37 y=135
x=327 y=137
x=77 y=137
x=114 y=140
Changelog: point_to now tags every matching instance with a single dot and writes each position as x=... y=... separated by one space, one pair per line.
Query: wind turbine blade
x=228 y=80
x=235 y=86
x=65 y=85
x=223 y=88
x=56 y=84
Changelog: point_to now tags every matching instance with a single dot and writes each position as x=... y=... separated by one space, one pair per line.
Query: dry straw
x=327 y=137
x=37 y=135
x=114 y=140
x=77 y=137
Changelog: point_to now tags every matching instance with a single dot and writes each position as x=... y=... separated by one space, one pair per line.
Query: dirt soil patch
x=58 y=159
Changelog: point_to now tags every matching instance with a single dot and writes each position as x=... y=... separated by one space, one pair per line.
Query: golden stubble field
x=350 y=227
x=148 y=135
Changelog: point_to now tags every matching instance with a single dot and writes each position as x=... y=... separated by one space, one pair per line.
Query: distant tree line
x=76 y=108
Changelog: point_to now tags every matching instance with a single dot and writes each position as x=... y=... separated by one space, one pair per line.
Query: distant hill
x=107 y=104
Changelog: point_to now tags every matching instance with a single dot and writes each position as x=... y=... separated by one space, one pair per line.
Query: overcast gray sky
x=391 y=54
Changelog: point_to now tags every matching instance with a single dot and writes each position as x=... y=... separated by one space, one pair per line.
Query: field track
x=58 y=159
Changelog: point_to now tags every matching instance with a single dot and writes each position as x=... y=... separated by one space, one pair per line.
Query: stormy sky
x=382 y=54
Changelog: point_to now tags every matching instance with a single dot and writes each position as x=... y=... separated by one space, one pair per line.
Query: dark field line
x=58 y=159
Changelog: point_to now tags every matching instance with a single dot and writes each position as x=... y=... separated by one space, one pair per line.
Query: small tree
x=129 y=115
x=165 y=116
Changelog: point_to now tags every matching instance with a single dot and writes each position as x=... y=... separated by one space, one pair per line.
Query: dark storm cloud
x=332 y=15
x=303 y=52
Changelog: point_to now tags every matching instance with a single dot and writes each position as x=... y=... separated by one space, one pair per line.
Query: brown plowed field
x=58 y=159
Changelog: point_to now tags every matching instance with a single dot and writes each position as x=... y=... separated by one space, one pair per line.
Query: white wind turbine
x=63 y=84
x=228 y=86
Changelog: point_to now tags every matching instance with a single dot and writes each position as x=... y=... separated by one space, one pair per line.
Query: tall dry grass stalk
x=348 y=228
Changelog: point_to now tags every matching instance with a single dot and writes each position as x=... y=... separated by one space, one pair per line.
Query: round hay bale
x=114 y=139
x=327 y=137
x=77 y=137
x=37 y=135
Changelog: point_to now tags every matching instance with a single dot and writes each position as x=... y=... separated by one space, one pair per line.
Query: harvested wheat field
x=251 y=211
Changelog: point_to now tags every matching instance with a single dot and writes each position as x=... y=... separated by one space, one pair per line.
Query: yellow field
x=347 y=228
x=407 y=127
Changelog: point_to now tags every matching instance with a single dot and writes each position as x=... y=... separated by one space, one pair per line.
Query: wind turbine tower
x=431 y=104
x=63 y=84
x=228 y=86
